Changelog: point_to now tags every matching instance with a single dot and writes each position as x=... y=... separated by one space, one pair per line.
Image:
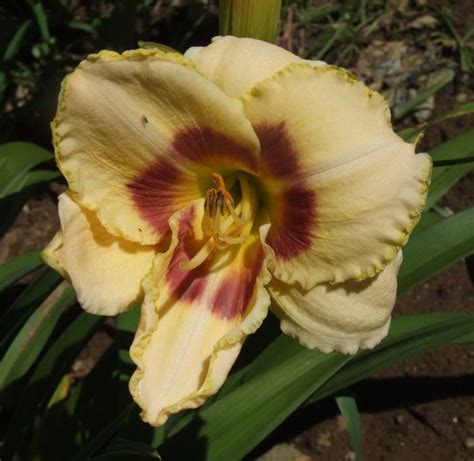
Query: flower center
x=224 y=222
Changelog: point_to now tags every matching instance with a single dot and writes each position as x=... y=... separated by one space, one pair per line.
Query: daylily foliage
x=208 y=184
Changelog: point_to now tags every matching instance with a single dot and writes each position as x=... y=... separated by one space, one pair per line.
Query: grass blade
x=42 y=20
x=410 y=134
x=348 y=408
x=16 y=42
x=425 y=94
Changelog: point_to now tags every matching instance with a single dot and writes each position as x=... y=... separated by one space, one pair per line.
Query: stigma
x=225 y=223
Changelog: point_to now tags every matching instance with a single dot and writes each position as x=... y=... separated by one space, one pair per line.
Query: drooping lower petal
x=105 y=271
x=134 y=133
x=342 y=189
x=236 y=64
x=344 y=317
x=194 y=322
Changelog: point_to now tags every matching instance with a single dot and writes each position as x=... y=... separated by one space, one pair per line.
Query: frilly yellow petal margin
x=338 y=72
x=50 y=255
x=225 y=351
x=139 y=54
x=424 y=180
x=343 y=318
x=215 y=377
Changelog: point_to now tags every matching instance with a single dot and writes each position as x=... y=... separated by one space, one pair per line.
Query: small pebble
x=455 y=419
x=324 y=440
x=469 y=442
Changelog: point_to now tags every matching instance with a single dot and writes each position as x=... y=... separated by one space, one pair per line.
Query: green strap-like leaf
x=348 y=408
x=409 y=336
x=56 y=362
x=233 y=425
x=428 y=218
x=31 y=339
x=229 y=427
x=445 y=177
x=121 y=448
x=454 y=161
x=16 y=160
x=436 y=248
x=103 y=437
x=15 y=268
x=25 y=304
x=39 y=176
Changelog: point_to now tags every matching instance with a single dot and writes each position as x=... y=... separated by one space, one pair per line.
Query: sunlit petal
x=343 y=190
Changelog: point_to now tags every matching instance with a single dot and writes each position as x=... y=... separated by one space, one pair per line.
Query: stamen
x=233 y=240
x=199 y=257
x=249 y=205
x=234 y=215
x=225 y=223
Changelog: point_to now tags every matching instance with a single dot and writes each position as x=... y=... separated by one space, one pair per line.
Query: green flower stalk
x=250 y=18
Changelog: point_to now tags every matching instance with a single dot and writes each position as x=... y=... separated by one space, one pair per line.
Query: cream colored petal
x=105 y=271
x=236 y=64
x=136 y=133
x=342 y=189
x=344 y=317
x=193 y=323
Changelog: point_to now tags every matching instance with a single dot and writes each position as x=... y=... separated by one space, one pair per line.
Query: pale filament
x=225 y=223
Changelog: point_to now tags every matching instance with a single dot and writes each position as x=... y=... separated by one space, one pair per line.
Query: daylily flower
x=206 y=185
